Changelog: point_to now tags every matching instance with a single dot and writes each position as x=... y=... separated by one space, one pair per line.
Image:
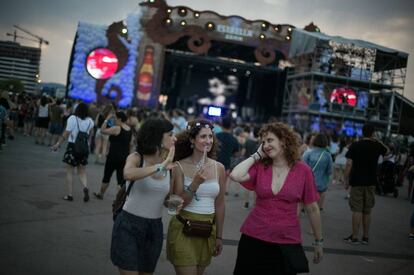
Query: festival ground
x=42 y=234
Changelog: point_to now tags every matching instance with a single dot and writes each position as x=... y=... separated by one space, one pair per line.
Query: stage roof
x=305 y=42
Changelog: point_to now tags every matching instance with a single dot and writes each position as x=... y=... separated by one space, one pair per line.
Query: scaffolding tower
x=337 y=84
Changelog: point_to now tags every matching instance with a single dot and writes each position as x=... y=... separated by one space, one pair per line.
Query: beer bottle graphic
x=145 y=76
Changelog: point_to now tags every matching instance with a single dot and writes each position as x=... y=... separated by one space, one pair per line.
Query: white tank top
x=43 y=111
x=206 y=194
x=147 y=196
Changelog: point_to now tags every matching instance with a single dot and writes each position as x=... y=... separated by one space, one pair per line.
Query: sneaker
x=365 y=240
x=85 y=194
x=351 y=240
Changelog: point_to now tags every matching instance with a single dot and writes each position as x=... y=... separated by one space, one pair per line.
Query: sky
x=384 y=22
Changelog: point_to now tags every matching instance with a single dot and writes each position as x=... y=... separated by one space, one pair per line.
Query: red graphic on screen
x=102 y=63
x=344 y=96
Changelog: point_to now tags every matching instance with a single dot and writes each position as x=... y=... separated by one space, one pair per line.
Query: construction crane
x=39 y=39
x=15 y=36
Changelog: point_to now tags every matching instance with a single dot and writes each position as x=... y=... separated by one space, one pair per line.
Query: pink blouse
x=274 y=217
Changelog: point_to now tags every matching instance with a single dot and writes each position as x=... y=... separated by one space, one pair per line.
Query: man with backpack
x=78 y=129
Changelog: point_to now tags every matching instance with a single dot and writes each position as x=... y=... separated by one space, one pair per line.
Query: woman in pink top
x=271 y=238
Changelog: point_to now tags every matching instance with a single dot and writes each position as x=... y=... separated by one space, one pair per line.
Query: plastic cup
x=173 y=202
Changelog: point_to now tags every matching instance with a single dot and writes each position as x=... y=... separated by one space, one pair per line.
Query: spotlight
x=262 y=36
x=183 y=23
x=289 y=29
x=278 y=28
x=169 y=10
x=124 y=30
x=264 y=26
x=182 y=12
x=287 y=37
x=210 y=26
x=168 y=22
x=196 y=15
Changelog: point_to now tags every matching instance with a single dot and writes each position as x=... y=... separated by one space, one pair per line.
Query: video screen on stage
x=211 y=89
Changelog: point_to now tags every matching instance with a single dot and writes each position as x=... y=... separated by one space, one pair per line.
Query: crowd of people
x=279 y=172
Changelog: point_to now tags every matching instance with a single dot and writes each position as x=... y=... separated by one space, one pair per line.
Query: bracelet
x=318 y=243
x=191 y=192
x=159 y=168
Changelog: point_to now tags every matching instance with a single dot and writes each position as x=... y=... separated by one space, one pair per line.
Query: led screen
x=344 y=96
x=101 y=63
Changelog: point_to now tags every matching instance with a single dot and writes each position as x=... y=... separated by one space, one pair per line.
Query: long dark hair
x=150 y=134
x=183 y=144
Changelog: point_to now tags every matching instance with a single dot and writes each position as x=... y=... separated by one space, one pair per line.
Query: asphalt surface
x=42 y=234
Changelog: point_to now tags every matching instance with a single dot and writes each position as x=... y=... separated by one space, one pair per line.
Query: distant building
x=20 y=62
x=53 y=89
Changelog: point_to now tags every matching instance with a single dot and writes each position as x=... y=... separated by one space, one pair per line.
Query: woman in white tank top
x=200 y=180
x=137 y=233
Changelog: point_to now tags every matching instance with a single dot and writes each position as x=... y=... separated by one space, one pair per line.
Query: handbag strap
x=319 y=159
x=141 y=163
x=181 y=219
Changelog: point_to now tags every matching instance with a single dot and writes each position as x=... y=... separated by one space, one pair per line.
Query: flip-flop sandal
x=85 y=194
x=68 y=198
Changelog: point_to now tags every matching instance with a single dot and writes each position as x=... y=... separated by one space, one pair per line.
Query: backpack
x=122 y=194
x=81 y=146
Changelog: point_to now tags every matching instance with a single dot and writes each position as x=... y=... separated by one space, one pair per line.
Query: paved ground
x=42 y=234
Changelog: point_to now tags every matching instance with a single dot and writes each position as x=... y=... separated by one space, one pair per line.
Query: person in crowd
x=228 y=146
x=56 y=121
x=251 y=146
x=200 y=180
x=340 y=162
x=119 y=144
x=137 y=233
x=399 y=168
x=101 y=139
x=320 y=161
x=411 y=234
x=30 y=117
x=42 y=120
x=22 y=106
x=77 y=122
x=409 y=170
x=3 y=119
x=271 y=237
x=307 y=145
x=178 y=120
x=241 y=135
x=361 y=175
x=133 y=122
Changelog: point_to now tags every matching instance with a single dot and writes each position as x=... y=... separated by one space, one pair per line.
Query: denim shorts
x=136 y=242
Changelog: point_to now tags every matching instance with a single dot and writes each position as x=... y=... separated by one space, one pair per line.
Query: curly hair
x=183 y=144
x=289 y=141
x=150 y=134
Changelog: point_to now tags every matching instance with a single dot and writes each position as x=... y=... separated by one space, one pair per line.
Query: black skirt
x=255 y=256
x=70 y=159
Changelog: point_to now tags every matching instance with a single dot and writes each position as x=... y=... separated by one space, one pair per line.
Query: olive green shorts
x=362 y=199
x=190 y=251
